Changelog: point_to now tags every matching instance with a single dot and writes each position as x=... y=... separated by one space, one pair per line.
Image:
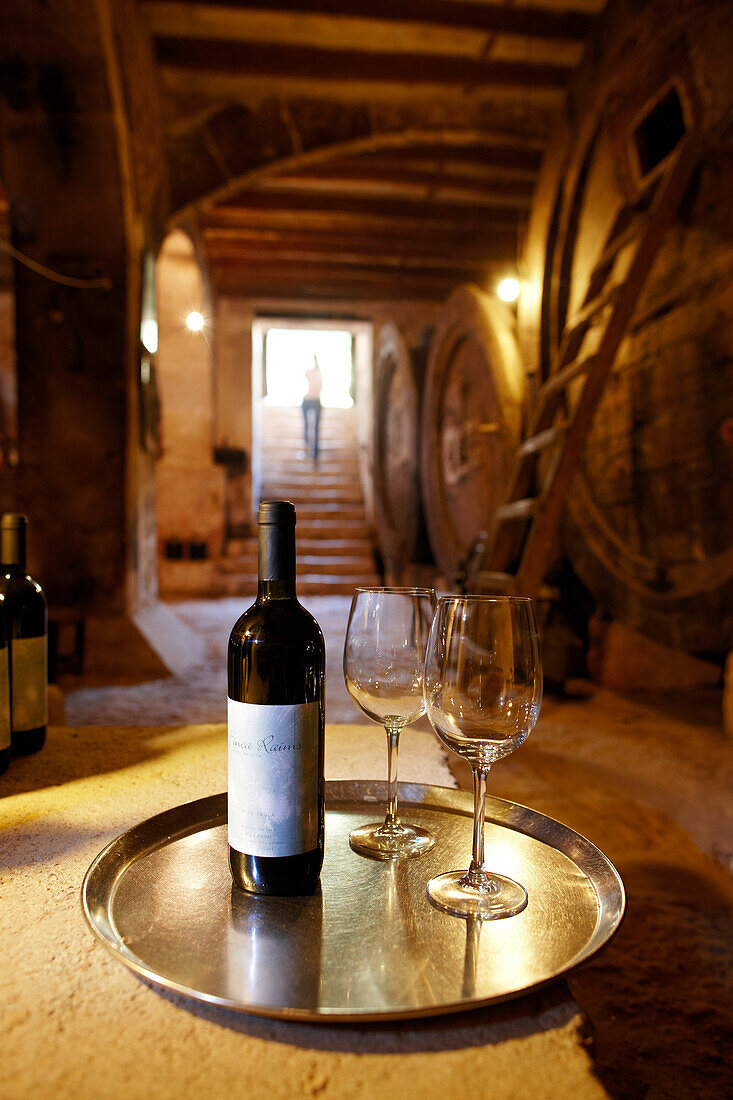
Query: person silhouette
x=312 y=405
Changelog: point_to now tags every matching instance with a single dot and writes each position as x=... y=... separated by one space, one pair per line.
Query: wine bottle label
x=273 y=778
x=4 y=700
x=29 y=680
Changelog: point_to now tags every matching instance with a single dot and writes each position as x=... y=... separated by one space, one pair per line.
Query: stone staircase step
x=347 y=566
x=280 y=439
x=333 y=540
x=333 y=528
x=280 y=444
x=332 y=461
x=292 y=449
x=294 y=428
x=307 y=545
x=311 y=565
x=303 y=498
x=336 y=586
x=306 y=513
x=316 y=481
x=238 y=585
x=325 y=492
x=300 y=473
x=351 y=516
x=328 y=425
x=353 y=548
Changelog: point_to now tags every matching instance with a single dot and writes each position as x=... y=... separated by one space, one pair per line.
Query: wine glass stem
x=476 y=876
x=393 y=745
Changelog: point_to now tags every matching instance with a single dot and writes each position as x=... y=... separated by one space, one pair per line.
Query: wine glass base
x=450 y=893
x=381 y=841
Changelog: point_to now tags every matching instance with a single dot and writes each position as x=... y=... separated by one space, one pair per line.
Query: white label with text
x=30 y=689
x=273 y=778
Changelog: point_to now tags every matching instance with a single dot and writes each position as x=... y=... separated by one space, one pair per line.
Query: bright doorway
x=282 y=351
x=289 y=353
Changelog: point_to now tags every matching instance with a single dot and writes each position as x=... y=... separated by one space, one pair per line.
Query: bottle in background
x=4 y=692
x=26 y=619
x=276 y=671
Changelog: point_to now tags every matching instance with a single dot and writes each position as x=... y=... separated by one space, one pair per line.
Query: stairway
x=333 y=541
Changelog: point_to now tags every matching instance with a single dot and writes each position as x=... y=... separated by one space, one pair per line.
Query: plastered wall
x=190 y=485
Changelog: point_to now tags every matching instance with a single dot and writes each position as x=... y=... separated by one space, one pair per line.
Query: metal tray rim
x=511 y=815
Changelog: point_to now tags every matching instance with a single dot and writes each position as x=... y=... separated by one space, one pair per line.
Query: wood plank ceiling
x=361 y=148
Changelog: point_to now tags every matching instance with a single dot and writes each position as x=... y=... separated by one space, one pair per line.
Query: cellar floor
x=647 y=778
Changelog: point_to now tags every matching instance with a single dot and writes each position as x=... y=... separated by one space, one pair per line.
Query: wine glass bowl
x=384 y=659
x=483 y=690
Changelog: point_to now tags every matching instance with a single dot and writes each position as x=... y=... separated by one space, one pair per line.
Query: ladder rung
x=616 y=244
x=593 y=308
x=565 y=376
x=516 y=509
x=542 y=440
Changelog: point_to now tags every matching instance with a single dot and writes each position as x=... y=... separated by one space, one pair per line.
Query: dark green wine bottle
x=276 y=675
x=26 y=619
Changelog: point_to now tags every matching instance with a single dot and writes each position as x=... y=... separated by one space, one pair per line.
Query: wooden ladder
x=524 y=527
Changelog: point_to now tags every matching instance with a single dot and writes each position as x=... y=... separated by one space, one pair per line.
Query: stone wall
x=84 y=475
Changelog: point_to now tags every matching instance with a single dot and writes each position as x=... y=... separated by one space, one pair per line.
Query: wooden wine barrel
x=472 y=413
x=649 y=519
x=536 y=328
x=398 y=379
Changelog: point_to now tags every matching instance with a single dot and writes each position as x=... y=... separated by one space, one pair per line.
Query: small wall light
x=508 y=290
x=195 y=321
x=149 y=335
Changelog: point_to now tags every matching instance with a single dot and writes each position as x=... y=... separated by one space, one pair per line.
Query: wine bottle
x=275 y=674
x=4 y=691
x=26 y=619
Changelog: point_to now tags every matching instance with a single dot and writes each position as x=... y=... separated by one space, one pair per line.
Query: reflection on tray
x=274 y=949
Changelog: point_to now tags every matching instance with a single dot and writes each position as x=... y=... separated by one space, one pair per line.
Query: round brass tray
x=368 y=945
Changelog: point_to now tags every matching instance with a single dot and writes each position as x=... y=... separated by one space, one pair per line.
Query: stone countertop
x=78 y=1024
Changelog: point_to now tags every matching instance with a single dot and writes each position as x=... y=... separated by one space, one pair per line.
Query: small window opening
x=660 y=132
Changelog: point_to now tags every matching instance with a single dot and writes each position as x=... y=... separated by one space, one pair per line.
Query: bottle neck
x=12 y=548
x=276 y=562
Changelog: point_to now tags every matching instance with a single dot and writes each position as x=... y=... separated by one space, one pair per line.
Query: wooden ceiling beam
x=250 y=203
x=338 y=283
x=330 y=266
x=418 y=234
x=276 y=226
x=217 y=57
x=402 y=183
x=399 y=253
x=478 y=159
x=468 y=266
x=489 y=18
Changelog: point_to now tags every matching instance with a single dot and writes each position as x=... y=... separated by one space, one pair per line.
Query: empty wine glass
x=384 y=658
x=483 y=689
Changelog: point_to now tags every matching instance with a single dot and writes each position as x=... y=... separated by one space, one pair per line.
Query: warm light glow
x=149 y=335
x=508 y=290
x=289 y=354
x=195 y=321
